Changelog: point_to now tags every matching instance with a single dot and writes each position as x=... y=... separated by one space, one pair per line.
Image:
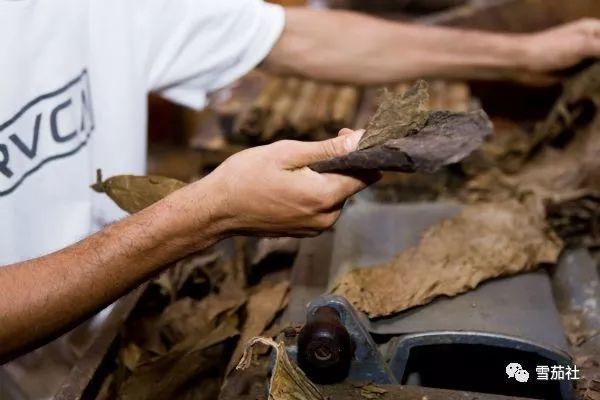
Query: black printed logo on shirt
x=52 y=126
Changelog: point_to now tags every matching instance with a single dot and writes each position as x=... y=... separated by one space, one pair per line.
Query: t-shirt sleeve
x=190 y=48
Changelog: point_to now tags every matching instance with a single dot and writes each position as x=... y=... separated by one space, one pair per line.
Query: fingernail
x=351 y=140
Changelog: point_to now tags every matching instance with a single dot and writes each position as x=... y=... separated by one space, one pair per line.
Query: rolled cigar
x=437 y=95
x=299 y=118
x=323 y=105
x=252 y=121
x=279 y=119
x=344 y=106
x=458 y=97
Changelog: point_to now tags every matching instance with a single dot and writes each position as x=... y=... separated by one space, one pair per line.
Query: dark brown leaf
x=446 y=138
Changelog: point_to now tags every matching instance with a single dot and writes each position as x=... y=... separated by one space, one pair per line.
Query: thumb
x=306 y=153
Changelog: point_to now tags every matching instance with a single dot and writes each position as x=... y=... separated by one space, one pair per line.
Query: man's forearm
x=42 y=297
x=344 y=46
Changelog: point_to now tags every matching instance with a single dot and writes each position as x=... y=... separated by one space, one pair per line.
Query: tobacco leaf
x=512 y=147
x=446 y=138
x=577 y=221
x=188 y=318
x=371 y=391
x=205 y=268
x=588 y=387
x=563 y=174
x=580 y=96
x=397 y=116
x=484 y=241
x=134 y=193
x=553 y=175
x=261 y=309
x=507 y=150
x=288 y=382
x=130 y=355
x=167 y=376
x=266 y=247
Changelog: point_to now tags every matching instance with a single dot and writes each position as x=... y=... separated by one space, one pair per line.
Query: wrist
x=455 y=51
x=521 y=51
x=195 y=216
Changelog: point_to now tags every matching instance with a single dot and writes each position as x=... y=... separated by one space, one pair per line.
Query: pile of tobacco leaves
x=191 y=327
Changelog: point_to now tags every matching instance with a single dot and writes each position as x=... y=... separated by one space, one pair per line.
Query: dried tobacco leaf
x=446 y=138
x=512 y=147
x=580 y=96
x=288 y=382
x=371 y=391
x=166 y=376
x=484 y=241
x=553 y=175
x=577 y=221
x=187 y=319
x=261 y=308
x=397 y=116
x=403 y=136
x=201 y=270
x=507 y=150
x=134 y=193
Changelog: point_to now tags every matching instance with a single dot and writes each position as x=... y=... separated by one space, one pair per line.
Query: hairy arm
x=266 y=190
x=48 y=295
x=349 y=47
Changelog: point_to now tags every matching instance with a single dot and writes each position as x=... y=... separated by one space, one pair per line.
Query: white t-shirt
x=74 y=75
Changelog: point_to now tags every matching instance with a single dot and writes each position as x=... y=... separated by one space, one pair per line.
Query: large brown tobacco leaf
x=403 y=136
x=484 y=241
x=288 y=382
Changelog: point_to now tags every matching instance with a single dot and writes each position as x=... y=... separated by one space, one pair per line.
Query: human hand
x=562 y=46
x=269 y=190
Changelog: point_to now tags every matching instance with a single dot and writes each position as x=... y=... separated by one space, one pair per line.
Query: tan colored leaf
x=134 y=193
x=398 y=115
x=188 y=318
x=261 y=309
x=130 y=355
x=371 y=391
x=164 y=376
x=484 y=241
x=288 y=382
